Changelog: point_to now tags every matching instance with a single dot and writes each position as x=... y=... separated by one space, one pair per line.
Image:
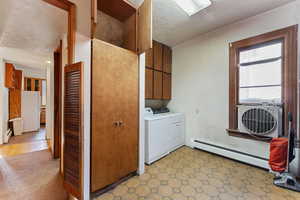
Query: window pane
x=261 y=53
x=256 y=95
x=262 y=74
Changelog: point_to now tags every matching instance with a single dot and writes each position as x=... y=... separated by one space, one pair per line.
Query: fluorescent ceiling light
x=191 y=7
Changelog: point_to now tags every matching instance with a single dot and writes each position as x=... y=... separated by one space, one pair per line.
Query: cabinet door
x=14 y=103
x=157 y=85
x=157 y=56
x=167 y=86
x=9 y=75
x=167 y=59
x=149 y=58
x=114 y=99
x=149 y=84
x=36 y=84
x=145 y=26
x=128 y=113
x=18 y=79
x=27 y=84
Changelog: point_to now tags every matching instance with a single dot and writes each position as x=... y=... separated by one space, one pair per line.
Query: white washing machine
x=164 y=134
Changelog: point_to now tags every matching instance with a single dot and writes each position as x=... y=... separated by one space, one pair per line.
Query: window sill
x=237 y=133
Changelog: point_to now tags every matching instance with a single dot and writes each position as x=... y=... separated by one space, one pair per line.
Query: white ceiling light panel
x=192 y=7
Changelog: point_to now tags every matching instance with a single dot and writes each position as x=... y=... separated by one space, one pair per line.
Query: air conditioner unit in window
x=260 y=120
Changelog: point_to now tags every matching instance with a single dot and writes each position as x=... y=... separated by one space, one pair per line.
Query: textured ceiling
x=172 y=26
x=31 y=25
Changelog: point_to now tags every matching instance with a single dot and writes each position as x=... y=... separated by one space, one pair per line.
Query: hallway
x=31 y=176
x=28 y=142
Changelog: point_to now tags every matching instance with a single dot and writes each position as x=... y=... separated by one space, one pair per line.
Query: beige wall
x=201 y=78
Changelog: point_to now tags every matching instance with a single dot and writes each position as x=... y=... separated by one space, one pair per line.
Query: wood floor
x=31 y=176
x=28 y=142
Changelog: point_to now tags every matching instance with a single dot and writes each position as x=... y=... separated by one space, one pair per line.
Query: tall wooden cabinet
x=158 y=75
x=15 y=94
x=115 y=92
x=9 y=75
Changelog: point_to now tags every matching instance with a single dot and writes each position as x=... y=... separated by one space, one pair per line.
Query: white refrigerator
x=31 y=108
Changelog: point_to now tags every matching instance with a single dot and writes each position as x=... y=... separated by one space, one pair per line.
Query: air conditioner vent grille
x=259 y=121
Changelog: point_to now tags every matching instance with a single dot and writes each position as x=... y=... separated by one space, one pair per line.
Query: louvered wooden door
x=114 y=114
x=73 y=133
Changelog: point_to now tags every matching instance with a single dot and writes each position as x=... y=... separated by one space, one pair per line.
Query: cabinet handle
x=116 y=123
x=121 y=123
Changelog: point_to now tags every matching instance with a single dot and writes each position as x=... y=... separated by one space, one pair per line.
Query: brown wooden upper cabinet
x=167 y=86
x=167 y=59
x=18 y=79
x=149 y=84
x=157 y=85
x=157 y=56
x=33 y=84
x=9 y=75
x=149 y=58
x=158 y=72
x=120 y=23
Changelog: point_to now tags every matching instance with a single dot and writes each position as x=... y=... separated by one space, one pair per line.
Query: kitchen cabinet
x=149 y=58
x=167 y=59
x=33 y=84
x=9 y=75
x=149 y=83
x=159 y=62
x=18 y=79
x=15 y=96
x=157 y=85
x=114 y=125
x=115 y=88
x=167 y=87
x=43 y=116
x=157 y=56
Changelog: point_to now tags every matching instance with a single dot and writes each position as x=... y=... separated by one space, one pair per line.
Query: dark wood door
x=157 y=85
x=114 y=114
x=73 y=129
x=167 y=59
x=157 y=56
x=57 y=101
x=167 y=90
x=149 y=83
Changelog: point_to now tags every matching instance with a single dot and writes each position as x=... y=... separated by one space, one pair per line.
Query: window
x=264 y=69
x=260 y=73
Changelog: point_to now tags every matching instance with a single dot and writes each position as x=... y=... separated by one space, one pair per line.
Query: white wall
x=201 y=78
x=50 y=103
x=83 y=54
x=33 y=72
x=3 y=102
x=142 y=64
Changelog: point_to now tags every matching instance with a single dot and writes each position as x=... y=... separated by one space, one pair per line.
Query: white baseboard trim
x=252 y=160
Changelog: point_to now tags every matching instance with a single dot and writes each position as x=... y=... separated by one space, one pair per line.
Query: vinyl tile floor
x=189 y=174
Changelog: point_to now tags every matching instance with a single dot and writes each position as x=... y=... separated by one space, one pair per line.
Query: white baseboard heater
x=232 y=154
